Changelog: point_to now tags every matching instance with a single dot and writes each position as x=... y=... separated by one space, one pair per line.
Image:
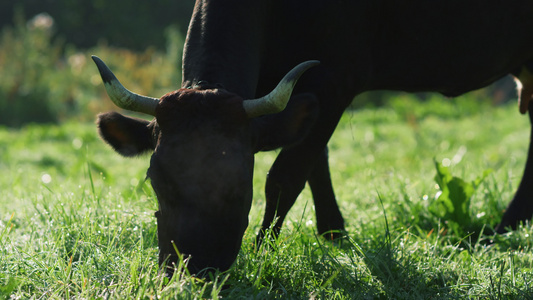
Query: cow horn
x=277 y=100
x=120 y=95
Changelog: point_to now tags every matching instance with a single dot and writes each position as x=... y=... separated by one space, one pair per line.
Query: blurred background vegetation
x=121 y=23
x=47 y=76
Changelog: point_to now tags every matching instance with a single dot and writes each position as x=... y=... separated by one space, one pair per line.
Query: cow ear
x=128 y=136
x=287 y=127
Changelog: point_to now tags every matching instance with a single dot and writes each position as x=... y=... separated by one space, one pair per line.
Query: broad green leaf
x=453 y=203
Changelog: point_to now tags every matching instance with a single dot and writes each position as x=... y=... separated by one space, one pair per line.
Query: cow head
x=203 y=144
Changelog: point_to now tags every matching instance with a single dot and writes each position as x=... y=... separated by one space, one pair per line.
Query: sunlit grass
x=76 y=220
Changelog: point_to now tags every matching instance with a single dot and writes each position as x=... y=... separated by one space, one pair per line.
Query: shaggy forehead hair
x=199 y=105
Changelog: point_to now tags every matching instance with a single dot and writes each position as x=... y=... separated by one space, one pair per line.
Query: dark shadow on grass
x=300 y=266
x=401 y=278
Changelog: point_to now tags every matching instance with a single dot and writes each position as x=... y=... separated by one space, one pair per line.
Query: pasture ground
x=76 y=220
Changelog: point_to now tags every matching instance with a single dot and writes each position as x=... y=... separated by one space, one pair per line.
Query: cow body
x=239 y=50
x=449 y=47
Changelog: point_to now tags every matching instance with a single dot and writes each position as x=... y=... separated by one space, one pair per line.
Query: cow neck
x=223 y=46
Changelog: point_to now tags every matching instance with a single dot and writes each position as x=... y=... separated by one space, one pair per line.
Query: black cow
x=204 y=135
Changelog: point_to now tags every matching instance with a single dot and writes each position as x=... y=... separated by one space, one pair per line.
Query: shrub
x=46 y=81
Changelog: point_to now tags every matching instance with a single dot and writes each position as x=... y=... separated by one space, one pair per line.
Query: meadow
x=76 y=220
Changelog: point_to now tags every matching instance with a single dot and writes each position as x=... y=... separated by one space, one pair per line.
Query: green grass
x=76 y=220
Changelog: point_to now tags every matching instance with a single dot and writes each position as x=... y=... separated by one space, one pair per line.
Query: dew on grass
x=459 y=155
x=77 y=143
x=46 y=178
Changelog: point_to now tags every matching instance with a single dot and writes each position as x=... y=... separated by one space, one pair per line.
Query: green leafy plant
x=452 y=202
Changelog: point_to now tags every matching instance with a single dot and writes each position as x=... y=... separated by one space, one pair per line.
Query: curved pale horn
x=120 y=95
x=277 y=100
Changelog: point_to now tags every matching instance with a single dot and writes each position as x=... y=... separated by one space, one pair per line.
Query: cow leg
x=521 y=207
x=293 y=167
x=328 y=216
